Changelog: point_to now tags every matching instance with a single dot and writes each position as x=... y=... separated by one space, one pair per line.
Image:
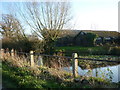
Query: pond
x=106 y=72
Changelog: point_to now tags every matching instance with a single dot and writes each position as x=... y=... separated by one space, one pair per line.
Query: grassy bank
x=22 y=78
x=15 y=76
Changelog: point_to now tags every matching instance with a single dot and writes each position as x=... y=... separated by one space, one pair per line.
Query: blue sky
x=90 y=14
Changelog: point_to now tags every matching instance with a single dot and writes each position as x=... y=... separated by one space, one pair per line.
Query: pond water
x=106 y=72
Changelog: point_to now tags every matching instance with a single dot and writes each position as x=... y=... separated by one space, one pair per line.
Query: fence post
x=12 y=53
x=15 y=53
x=2 y=53
x=40 y=61
x=75 y=64
x=7 y=52
x=31 y=59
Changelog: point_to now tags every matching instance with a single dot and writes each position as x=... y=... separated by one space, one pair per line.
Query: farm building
x=82 y=37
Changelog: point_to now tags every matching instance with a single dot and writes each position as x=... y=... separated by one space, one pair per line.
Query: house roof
x=104 y=33
x=73 y=33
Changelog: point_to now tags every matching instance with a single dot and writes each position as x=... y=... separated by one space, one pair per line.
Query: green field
x=76 y=48
x=100 y=53
x=98 y=50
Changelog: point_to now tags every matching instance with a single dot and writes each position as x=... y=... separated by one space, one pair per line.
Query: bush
x=114 y=50
x=90 y=38
x=117 y=41
x=24 y=44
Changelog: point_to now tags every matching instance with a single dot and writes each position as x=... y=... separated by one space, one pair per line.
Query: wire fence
x=98 y=60
x=59 y=56
x=91 y=59
x=57 y=60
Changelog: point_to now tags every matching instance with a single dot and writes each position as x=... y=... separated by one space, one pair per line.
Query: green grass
x=97 y=50
x=22 y=77
x=76 y=48
x=14 y=77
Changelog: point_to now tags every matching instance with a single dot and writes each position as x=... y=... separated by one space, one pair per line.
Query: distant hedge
x=24 y=45
x=114 y=50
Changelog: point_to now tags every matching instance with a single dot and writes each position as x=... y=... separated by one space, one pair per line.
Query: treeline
x=44 y=19
x=13 y=35
x=24 y=45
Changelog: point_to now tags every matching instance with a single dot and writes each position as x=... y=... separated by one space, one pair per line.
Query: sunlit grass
x=24 y=76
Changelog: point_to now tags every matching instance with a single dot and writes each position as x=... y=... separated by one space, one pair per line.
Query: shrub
x=24 y=44
x=90 y=37
x=114 y=50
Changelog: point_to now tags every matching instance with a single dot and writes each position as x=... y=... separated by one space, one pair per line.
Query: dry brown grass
x=16 y=60
x=20 y=61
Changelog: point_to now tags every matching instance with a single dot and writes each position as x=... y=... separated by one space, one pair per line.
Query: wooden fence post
x=12 y=53
x=2 y=53
x=75 y=64
x=15 y=53
x=31 y=59
x=7 y=52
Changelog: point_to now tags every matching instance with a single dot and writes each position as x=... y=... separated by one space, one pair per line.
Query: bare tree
x=10 y=27
x=46 y=18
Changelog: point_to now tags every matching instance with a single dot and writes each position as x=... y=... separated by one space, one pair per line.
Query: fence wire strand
x=95 y=59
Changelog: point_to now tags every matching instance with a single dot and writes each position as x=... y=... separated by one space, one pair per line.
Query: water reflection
x=107 y=72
